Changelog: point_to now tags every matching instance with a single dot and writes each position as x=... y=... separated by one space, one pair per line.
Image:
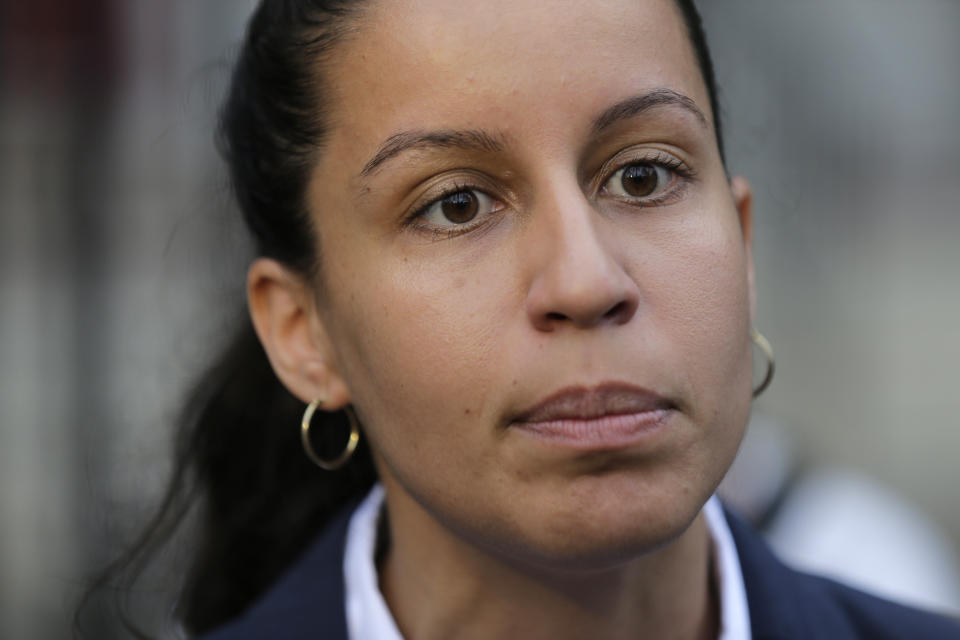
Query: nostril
x=617 y=310
x=553 y=315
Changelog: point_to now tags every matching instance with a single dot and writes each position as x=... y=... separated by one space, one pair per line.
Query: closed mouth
x=585 y=404
x=607 y=417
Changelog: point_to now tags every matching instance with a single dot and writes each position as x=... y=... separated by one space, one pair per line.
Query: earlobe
x=285 y=317
x=742 y=195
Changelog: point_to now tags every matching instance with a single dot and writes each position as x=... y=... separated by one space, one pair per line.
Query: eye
x=639 y=180
x=458 y=208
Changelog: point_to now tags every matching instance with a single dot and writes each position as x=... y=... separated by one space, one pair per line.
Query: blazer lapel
x=784 y=604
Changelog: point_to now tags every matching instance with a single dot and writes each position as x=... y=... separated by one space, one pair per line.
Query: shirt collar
x=734 y=613
x=368 y=617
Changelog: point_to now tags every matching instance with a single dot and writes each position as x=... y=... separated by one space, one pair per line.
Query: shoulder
x=307 y=601
x=785 y=603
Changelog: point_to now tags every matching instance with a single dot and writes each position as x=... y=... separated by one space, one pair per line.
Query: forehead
x=416 y=64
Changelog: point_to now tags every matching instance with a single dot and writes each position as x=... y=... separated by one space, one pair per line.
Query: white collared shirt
x=368 y=617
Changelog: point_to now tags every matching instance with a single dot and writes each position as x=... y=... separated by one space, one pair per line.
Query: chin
x=604 y=522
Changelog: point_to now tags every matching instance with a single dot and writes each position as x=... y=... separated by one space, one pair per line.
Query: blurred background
x=121 y=262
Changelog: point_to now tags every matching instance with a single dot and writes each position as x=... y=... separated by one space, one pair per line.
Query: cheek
x=707 y=319
x=703 y=304
x=419 y=351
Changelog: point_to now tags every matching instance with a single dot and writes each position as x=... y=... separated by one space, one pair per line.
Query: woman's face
x=518 y=199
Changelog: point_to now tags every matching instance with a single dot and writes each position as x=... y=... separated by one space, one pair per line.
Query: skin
x=440 y=336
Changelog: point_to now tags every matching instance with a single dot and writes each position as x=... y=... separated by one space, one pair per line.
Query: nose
x=579 y=277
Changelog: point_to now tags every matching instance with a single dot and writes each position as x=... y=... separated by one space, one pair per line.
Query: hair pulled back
x=238 y=454
x=262 y=499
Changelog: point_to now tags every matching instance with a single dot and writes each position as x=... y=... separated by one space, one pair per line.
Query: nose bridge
x=578 y=277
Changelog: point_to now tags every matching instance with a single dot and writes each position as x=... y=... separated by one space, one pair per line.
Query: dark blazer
x=307 y=603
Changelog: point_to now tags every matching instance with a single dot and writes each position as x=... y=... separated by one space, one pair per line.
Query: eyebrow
x=639 y=104
x=480 y=140
x=474 y=140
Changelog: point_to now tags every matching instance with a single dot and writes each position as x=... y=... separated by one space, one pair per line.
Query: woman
x=499 y=236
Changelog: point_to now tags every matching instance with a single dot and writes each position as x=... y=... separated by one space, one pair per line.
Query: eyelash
x=681 y=171
x=661 y=159
x=442 y=233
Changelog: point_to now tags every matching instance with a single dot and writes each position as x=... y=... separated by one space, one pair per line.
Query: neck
x=440 y=586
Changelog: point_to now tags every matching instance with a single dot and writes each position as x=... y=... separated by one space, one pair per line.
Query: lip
x=606 y=416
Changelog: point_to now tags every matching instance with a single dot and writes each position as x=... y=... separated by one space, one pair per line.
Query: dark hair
x=238 y=453
x=698 y=38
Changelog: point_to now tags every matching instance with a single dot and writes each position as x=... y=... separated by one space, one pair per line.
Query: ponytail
x=263 y=500
x=259 y=501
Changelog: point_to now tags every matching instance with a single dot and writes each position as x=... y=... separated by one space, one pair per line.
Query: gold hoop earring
x=764 y=345
x=343 y=458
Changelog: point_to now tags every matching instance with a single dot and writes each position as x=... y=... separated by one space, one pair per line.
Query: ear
x=743 y=201
x=284 y=312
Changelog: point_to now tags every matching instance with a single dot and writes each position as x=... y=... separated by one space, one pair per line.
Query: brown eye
x=460 y=207
x=639 y=180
